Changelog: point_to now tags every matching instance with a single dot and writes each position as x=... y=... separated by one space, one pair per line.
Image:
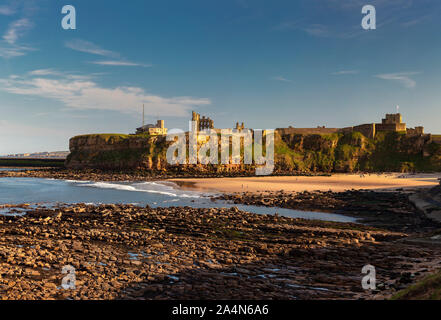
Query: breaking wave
x=164 y=188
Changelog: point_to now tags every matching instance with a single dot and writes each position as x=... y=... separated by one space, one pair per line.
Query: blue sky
x=267 y=63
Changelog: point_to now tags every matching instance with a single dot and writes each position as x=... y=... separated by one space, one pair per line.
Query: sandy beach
x=335 y=183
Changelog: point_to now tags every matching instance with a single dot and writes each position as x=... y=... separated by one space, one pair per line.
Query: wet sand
x=335 y=183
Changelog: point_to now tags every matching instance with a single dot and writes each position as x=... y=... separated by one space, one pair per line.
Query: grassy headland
x=338 y=152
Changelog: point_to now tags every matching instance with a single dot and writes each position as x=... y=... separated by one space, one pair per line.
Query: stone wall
x=307 y=131
x=368 y=130
x=436 y=139
x=393 y=127
x=415 y=131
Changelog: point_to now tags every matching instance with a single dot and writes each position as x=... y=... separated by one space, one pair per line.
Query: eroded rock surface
x=129 y=252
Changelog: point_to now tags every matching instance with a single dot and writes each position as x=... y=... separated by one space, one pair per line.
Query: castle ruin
x=202 y=123
x=205 y=123
x=391 y=123
x=240 y=127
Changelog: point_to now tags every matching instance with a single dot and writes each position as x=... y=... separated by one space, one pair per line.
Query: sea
x=50 y=192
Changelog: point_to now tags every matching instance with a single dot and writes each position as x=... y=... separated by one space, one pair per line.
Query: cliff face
x=337 y=152
x=114 y=152
x=350 y=152
x=132 y=152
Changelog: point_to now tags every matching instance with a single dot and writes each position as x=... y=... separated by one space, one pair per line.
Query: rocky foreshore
x=82 y=175
x=130 y=252
x=391 y=210
x=130 y=175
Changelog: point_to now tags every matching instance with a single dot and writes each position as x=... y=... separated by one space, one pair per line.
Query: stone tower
x=202 y=123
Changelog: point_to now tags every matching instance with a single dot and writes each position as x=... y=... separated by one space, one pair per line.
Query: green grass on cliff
x=351 y=152
x=427 y=289
x=104 y=135
x=113 y=136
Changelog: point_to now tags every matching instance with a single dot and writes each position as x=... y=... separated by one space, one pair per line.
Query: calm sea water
x=154 y=194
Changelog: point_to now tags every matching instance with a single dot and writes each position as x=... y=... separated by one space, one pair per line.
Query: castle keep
x=391 y=123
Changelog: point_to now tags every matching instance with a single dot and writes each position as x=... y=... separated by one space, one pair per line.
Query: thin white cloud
x=45 y=72
x=317 y=30
x=120 y=63
x=92 y=48
x=398 y=13
x=344 y=72
x=16 y=30
x=55 y=73
x=9 y=44
x=280 y=78
x=415 y=21
x=402 y=77
x=7 y=10
x=89 y=47
x=87 y=94
x=12 y=51
x=321 y=30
